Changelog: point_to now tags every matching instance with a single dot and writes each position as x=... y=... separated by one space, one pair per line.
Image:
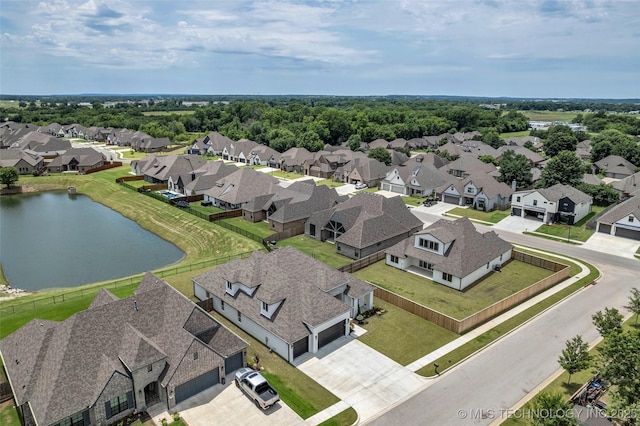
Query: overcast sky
x=525 y=48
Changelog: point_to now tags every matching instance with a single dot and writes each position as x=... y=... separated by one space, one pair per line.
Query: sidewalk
x=430 y=358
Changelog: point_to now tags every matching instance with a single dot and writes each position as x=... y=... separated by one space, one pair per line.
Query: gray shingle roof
x=629 y=184
x=287 y=275
x=616 y=164
x=559 y=191
x=301 y=199
x=469 y=248
x=242 y=186
x=622 y=210
x=61 y=368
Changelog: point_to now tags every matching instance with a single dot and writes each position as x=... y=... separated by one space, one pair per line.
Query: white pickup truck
x=256 y=387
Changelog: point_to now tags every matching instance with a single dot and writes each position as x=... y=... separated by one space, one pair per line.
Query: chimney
x=135 y=305
x=513 y=185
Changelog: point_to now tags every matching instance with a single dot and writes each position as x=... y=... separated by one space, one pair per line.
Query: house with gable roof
x=558 y=203
x=628 y=185
x=119 y=355
x=450 y=252
x=77 y=159
x=614 y=166
x=292 y=303
x=480 y=191
x=420 y=176
x=292 y=160
x=364 y=170
x=239 y=188
x=364 y=224
x=623 y=220
x=24 y=162
x=166 y=168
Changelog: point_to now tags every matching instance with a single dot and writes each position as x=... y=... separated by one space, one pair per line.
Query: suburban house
x=206 y=176
x=481 y=191
x=420 y=176
x=536 y=142
x=615 y=166
x=287 y=300
x=364 y=224
x=160 y=168
x=558 y=203
x=292 y=160
x=379 y=143
x=467 y=165
x=239 y=151
x=364 y=170
x=534 y=158
x=325 y=163
x=262 y=155
x=289 y=208
x=119 y=355
x=583 y=149
x=150 y=144
x=452 y=253
x=623 y=220
x=42 y=144
x=628 y=185
x=24 y=162
x=78 y=160
x=240 y=187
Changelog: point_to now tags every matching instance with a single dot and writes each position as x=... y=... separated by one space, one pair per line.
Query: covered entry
x=330 y=334
x=197 y=385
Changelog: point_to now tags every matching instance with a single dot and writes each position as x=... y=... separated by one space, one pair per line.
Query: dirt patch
x=22 y=189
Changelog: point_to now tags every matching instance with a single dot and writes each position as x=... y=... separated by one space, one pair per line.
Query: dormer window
x=631 y=218
x=428 y=244
x=265 y=306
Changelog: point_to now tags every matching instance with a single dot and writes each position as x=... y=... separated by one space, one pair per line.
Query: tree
x=488 y=159
x=575 y=356
x=618 y=363
x=515 y=167
x=603 y=195
x=565 y=168
x=492 y=138
x=560 y=138
x=608 y=322
x=311 y=141
x=355 y=142
x=551 y=409
x=634 y=303
x=380 y=154
x=9 y=176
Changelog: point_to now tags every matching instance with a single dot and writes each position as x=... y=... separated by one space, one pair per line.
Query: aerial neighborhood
x=344 y=240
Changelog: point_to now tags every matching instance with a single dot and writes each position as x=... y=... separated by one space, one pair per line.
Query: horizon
x=537 y=49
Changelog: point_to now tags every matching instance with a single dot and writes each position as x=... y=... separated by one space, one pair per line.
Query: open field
x=493 y=217
x=323 y=251
x=398 y=334
x=514 y=134
x=158 y=113
x=567 y=116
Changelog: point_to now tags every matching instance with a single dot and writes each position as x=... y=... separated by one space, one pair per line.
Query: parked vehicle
x=361 y=185
x=256 y=387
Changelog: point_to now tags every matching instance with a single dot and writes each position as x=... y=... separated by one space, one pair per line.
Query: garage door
x=300 y=347
x=605 y=229
x=451 y=200
x=330 y=334
x=197 y=385
x=233 y=363
x=627 y=233
x=516 y=211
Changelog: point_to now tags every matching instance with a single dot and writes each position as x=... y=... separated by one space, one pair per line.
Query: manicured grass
x=515 y=134
x=577 y=231
x=9 y=415
x=493 y=217
x=301 y=393
x=344 y=418
x=484 y=339
x=324 y=252
x=205 y=209
x=285 y=175
x=134 y=154
x=567 y=116
x=412 y=201
x=395 y=334
x=330 y=183
x=374 y=189
x=514 y=277
x=258 y=228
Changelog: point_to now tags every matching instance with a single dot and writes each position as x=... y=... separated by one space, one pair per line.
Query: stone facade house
x=77 y=159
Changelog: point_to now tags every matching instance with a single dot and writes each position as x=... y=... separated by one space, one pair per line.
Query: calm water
x=52 y=239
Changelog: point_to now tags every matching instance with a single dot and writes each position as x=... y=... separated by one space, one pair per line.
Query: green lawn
x=514 y=134
x=460 y=353
x=330 y=183
x=344 y=418
x=403 y=336
x=324 y=252
x=259 y=228
x=576 y=232
x=515 y=276
x=493 y=217
x=205 y=209
x=551 y=115
x=374 y=189
x=285 y=175
x=412 y=201
x=296 y=389
x=134 y=154
x=9 y=415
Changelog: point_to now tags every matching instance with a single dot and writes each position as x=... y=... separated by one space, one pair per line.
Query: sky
x=520 y=48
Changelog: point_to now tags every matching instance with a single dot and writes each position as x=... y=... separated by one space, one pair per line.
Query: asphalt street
x=483 y=388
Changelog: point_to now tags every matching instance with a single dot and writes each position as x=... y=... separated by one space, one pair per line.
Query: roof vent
x=135 y=305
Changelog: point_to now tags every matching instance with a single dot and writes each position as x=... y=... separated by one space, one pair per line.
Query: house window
x=75 y=420
x=487 y=265
x=630 y=219
x=229 y=285
x=393 y=259
x=447 y=277
x=265 y=306
x=119 y=404
x=431 y=245
x=312 y=230
x=149 y=368
x=222 y=305
x=425 y=265
x=535 y=202
x=239 y=317
x=470 y=190
x=195 y=356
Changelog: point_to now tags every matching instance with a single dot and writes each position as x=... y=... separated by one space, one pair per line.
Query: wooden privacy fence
x=561 y=272
x=283 y=235
x=225 y=215
x=363 y=263
x=111 y=165
x=129 y=178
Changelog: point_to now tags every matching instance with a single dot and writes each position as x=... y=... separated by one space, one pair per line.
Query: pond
x=53 y=239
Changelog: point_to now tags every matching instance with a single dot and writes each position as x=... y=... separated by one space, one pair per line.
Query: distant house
x=152 y=144
x=583 y=149
x=534 y=158
x=78 y=160
x=240 y=187
x=623 y=220
x=615 y=166
x=262 y=155
x=23 y=162
x=287 y=300
x=364 y=224
x=117 y=357
x=379 y=143
x=420 y=176
x=364 y=170
x=558 y=203
x=239 y=151
x=468 y=164
x=628 y=185
x=451 y=253
x=292 y=160
x=480 y=191
x=158 y=169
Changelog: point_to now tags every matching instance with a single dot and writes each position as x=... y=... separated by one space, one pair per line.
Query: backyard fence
x=16 y=306
x=111 y=165
x=5 y=391
x=238 y=230
x=225 y=215
x=363 y=263
x=129 y=178
x=561 y=272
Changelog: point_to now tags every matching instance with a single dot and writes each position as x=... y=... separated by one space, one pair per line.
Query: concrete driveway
x=360 y=376
x=225 y=405
x=624 y=247
x=517 y=224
